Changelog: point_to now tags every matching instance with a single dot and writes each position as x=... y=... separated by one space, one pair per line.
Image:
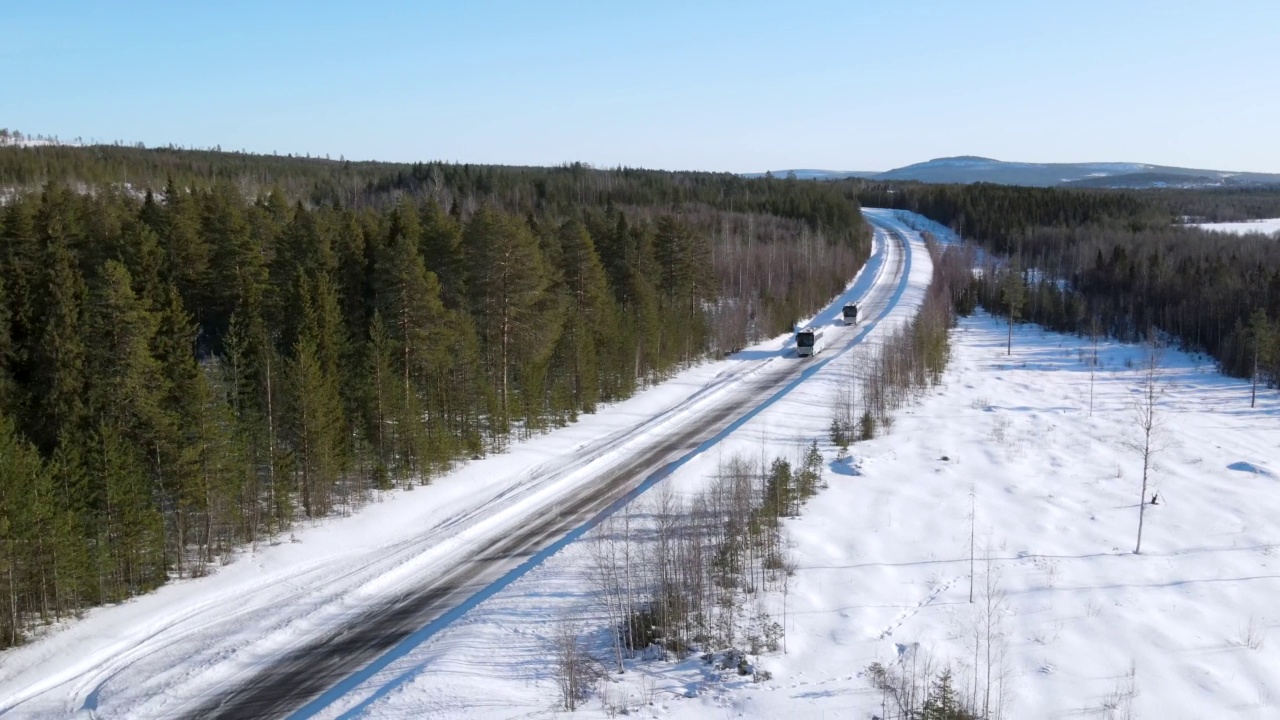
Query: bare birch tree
x=605 y=576
x=1150 y=440
x=1095 y=329
x=575 y=670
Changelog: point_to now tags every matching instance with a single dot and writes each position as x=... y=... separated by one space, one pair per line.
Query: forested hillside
x=200 y=348
x=1120 y=262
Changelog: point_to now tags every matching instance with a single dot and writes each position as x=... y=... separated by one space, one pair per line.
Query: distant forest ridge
x=1120 y=263
x=972 y=169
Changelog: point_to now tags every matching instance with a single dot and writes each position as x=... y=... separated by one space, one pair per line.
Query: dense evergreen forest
x=1121 y=263
x=198 y=349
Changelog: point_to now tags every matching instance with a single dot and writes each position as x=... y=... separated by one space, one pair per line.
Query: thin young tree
x=1260 y=337
x=1095 y=329
x=990 y=620
x=1015 y=296
x=604 y=575
x=574 y=670
x=1150 y=441
x=973 y=520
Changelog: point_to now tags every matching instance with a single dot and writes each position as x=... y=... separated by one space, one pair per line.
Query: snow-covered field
x=884 y=555
x=1269 y=226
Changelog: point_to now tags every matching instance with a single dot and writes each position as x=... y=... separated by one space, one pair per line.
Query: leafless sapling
x=1146 y=414
x=575 y=670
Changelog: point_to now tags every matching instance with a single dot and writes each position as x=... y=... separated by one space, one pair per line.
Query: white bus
x=809 y=342
x=850 y=313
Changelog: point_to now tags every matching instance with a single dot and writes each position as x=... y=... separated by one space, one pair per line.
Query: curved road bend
x=308 y=678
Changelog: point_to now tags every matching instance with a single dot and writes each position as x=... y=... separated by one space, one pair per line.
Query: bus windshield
x=804 y=339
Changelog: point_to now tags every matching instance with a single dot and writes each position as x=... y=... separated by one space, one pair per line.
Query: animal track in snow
x=911 y=612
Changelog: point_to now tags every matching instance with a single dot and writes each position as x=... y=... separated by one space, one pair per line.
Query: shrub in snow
x=867 y=426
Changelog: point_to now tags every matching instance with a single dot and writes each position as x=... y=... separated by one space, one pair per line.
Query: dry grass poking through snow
x=1179 y=631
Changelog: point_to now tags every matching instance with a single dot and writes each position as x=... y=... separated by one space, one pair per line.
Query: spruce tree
x=590 y=324
x=183 y=393
x=21 y=276
x=130 y=541
x=238 y=273
x=21 y=473
x=442 y=253
x=316 y=424
x=315 y=428
x=125 y=382
x=383 y=399
x=59 y=354
x=187 y=252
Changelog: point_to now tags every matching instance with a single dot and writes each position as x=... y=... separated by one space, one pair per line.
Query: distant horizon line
x=79 y=141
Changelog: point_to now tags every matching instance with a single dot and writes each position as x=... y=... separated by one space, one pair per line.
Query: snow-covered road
x=310 y=619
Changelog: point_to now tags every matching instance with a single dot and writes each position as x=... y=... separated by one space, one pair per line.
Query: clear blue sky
x=734 y=86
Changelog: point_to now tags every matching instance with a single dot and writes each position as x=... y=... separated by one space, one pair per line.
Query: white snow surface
x=883 y=555
x=1268 y=226
x=160 y=654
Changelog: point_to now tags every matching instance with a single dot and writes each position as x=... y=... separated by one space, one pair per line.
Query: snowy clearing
x=1270 y=226
x=884 y=555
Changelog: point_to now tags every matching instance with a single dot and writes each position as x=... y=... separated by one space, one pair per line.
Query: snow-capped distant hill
x=969 y=169
x=13 y=138
x=810 y=174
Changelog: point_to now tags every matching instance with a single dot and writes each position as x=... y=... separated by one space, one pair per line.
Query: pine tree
x=507 y=284
x=409 y=301
x=1014 y=296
